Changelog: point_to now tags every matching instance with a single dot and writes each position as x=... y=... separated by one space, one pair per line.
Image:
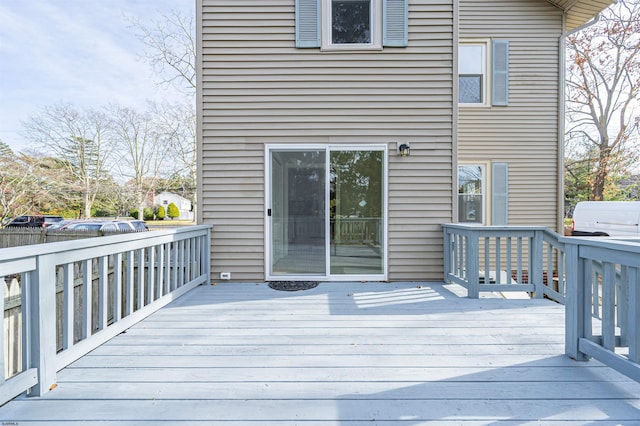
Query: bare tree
x=78 y=138
x=603 y=82
x=142 y=152
x=171 y=49
x=178 y=123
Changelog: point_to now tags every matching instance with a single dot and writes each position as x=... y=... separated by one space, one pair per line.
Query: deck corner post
x=537 y=264
x=574 y=304
x=447 y=254
x=473 y=266
x=207 y=255
x=41 y=314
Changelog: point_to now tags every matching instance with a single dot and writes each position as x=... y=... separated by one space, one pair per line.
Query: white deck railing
x=504 y=258
x=603 y=302
x=76 y=295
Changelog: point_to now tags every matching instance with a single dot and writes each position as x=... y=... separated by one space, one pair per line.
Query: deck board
x=340 y=354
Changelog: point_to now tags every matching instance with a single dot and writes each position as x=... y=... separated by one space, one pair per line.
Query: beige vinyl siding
x=525 y=133
x=258 y=89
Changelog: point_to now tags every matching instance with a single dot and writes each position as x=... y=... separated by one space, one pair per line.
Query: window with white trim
x=483 y=72
x=471 y=193
x=351 y=24
x=472 y=73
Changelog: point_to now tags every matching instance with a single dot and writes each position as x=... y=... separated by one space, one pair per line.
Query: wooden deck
x=347 y=354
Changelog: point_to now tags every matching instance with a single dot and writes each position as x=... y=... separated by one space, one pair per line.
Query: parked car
x=139 y=225
x=105 y=226
x=34 y=221
x=60 y=224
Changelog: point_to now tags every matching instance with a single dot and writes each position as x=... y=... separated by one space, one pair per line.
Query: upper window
x=483 y=72
x=472 y=73
x=352 y=24
x=351 y=21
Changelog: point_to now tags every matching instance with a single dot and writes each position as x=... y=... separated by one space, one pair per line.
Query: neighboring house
x=184 y=205
x=304 y=106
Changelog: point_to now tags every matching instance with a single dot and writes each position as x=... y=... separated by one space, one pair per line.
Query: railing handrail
x=14 y=253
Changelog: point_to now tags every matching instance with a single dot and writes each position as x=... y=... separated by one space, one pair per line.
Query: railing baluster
x=633 y=315
x=140 y=281
x=103 y=293
x=87 y=298
x=509 y=255
x=608 y=307
x=498 y=260
x=167 y=268
x=151 y=266
x=622 y=304
x=3 y=361
x=587 y=300
x=117 y=287
x=181 y=271
x=520 y=260
x=160 y=272
x=487 y=260
x=130 y=284
x=175 y=266
x=68 y=317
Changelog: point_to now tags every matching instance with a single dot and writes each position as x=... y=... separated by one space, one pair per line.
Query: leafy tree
x=603 y=83
x=173 y=211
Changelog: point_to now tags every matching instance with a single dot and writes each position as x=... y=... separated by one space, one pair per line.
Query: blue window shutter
x=500 y=67
x=500 y=194
x=307 y=23
x=395 y=23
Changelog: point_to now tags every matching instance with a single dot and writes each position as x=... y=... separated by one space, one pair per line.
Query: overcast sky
x=81 y=52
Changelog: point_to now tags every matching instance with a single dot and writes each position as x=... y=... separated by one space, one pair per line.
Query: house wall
x=525 y=133
x=258 y=89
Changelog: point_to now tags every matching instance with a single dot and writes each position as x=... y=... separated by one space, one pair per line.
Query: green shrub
x=160 y=213
x=147 y=213
x=173 y=211
x=134 y=214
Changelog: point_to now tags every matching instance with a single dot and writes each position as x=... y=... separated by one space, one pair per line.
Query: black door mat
x=293 y=285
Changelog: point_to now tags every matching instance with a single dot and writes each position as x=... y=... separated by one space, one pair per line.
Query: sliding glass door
x=326 y=213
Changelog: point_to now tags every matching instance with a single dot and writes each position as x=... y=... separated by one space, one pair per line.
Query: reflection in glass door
x=298 y=235
x=356 y=212
x=326 y=213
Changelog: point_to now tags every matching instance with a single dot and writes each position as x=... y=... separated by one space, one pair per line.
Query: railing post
x=41 y=312
x=207 y=256
x=574 y=302
x=472 y=266
x=536 y=263
x=447 y=254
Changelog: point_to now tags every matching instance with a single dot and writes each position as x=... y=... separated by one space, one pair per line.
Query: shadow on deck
x=342 y=353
